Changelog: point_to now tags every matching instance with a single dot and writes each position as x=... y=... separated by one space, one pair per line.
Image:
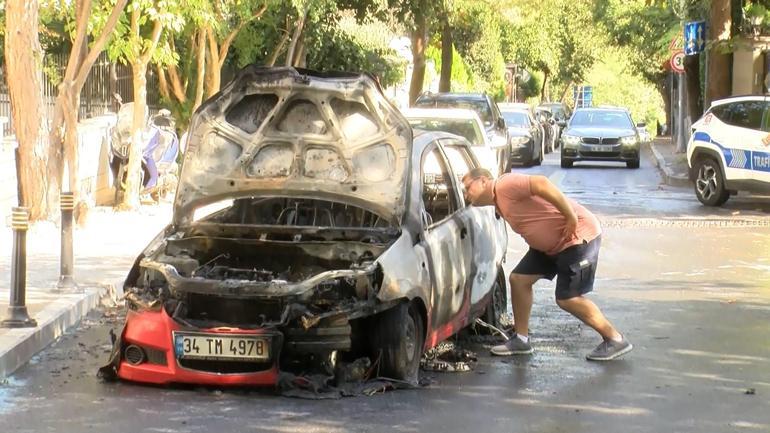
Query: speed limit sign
x=677 y=62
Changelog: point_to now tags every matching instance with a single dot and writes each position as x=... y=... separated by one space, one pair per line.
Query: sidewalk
x=104 y=251
x=672 y=165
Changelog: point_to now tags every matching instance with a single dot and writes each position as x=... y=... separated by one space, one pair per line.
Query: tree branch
x=98 y=46
x=225 y=47
x=73 y=63
x=157 y=29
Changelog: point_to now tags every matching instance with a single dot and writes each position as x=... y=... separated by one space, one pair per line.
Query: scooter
x=159 y=152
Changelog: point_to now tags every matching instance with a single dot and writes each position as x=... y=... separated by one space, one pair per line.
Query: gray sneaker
x=610 y=349
x=514 y=346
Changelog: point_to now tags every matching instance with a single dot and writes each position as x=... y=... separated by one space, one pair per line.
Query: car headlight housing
x=519 y=141
x=629 y=140
x=570 y=140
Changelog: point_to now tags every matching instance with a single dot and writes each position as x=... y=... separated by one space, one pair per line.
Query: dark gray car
x=600 y=134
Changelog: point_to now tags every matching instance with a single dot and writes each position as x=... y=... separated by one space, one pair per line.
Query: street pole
x=681 y=142
x=66 y=282
x=18 y=317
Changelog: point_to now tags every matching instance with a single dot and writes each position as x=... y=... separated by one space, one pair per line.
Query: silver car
x=340 y=233
x=600 y=134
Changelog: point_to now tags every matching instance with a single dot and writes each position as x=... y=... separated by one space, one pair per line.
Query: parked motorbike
x=159 y=152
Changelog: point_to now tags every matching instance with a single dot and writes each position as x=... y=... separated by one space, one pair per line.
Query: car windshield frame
x=442 y=124
x=480 y=106
x=510 y=123
x=601 y=118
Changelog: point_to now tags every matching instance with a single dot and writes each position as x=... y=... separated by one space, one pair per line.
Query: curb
x=53 y=321
x=669 y=178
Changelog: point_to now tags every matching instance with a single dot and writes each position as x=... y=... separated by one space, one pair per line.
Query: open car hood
x=297 y=133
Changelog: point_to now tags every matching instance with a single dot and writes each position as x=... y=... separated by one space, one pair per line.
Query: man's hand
x=570 y=227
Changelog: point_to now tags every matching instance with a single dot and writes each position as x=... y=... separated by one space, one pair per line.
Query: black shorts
x=575 y=267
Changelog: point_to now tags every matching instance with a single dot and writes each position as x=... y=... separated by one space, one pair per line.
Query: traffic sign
x=677 y=62
x=677 y=43
x=694 y=37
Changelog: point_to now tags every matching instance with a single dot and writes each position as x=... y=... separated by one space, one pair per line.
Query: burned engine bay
x=266 y=262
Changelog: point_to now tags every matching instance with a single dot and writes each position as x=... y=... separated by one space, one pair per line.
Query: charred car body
x=341 y=233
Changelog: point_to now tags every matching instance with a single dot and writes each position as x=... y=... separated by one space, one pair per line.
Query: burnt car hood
x=297 y=133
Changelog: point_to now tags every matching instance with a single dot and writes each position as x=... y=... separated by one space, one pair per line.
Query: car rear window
x=745 y=114
x=513 y=118
x=462 y=127
x=479 y=106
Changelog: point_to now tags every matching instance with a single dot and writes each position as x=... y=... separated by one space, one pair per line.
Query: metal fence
x=105 y=79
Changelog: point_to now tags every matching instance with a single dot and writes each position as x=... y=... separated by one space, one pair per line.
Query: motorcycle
x=159 y=152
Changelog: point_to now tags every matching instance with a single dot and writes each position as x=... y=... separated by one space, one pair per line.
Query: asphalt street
x=689 y=286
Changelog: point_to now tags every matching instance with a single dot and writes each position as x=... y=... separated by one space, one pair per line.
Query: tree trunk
x=291 y=53
x=277 y=50
x=201 y=56
x=544 y=89
x=23 y=63
x=665 y=93
x=692 y=78
x=445 y=82
x=212 y=63
x=419 y=40
x=134 y=167
x=720 y=22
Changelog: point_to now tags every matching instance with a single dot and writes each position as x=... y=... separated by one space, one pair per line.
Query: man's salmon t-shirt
x=539 y=222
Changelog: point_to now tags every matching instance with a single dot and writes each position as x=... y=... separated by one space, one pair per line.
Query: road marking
x=557 y=177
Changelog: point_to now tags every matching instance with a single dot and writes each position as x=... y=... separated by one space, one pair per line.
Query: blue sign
x=694 y=37
x=583 y=96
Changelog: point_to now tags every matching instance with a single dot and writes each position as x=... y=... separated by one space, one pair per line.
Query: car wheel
x=397 y=339
x=496 y=313
x=633 y=164
x=566 y=163
x=710 y=184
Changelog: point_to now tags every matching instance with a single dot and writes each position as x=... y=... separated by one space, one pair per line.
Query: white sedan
x=462 y=122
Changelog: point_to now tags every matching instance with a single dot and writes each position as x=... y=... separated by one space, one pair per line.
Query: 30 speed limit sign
x=677 y=62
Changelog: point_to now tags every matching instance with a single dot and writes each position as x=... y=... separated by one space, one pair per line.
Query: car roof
x=452 y=95
x=607 y=108
x=739 y=98
x=440 y=113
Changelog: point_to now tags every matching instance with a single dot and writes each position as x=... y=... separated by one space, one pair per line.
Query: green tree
x=136 y=42
x=83 y=19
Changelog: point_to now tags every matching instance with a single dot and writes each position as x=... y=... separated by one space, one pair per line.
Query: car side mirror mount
x=641 y=125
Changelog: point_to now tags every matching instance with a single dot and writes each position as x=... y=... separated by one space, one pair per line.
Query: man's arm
x=543 y=188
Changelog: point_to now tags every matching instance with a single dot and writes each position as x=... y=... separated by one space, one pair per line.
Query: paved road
x=691 y=293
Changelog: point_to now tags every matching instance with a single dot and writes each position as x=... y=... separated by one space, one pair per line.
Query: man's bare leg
x=585 y=310
x=521 y=298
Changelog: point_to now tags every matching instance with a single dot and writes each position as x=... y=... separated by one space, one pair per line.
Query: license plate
x=600 y=148
x=222 y=347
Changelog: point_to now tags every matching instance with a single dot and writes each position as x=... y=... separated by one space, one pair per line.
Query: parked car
x=561 y=113
x=340 y=233
x=544 y=115
x=461 y=122
x=729 y=149
x=527 y=140
x=600 y=134
x=488 y=112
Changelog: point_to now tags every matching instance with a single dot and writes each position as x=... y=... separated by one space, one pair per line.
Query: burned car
x=339 y=233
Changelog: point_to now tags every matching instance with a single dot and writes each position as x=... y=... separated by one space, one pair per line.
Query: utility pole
x=679 y=7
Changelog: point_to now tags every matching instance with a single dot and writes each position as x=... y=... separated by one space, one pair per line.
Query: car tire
x=397 y=340
x=633 y=164
x=496 y=313
x=710 y=183
x=566 y=163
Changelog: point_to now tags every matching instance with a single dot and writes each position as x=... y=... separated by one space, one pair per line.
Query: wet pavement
x=689 y=286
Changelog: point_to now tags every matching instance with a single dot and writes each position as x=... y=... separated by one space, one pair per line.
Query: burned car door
x=485 y=228
x=445 y=237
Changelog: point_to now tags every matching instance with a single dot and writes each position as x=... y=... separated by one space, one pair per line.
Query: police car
x=729 y=149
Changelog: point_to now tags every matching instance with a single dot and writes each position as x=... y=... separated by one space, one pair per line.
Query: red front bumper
x=153 y=331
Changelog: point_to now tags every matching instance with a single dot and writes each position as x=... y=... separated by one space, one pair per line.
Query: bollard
x=66 y=282
x=17 y=310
